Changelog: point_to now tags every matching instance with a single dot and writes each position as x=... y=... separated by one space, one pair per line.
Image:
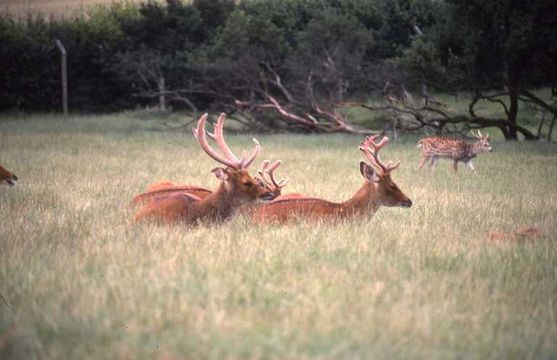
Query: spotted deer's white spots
x=435 y=148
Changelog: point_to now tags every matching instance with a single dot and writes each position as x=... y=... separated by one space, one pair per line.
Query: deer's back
x=156 y=192
x=169 y=209
x=290 y=208
x=445 y=147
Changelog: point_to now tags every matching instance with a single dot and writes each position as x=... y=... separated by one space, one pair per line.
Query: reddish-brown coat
x=238 y=189
x=378 y=189
x=366 y=200
x=164 y=205
x=162 y=188
x=6 y=177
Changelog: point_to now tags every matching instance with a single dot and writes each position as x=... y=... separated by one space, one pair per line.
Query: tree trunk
x=514 y=69
x=505 y=132
x=540 y=125
x=162 y=95
x=513 y=112
x=551 y=128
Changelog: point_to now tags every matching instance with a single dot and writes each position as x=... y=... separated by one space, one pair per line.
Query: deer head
x=378 y=174
x=266 y=176
x=482 y=144
x=236 y=181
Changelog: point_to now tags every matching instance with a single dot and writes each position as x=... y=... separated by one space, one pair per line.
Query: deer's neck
x=475 y=148
x=363 y=201
x=220 y=204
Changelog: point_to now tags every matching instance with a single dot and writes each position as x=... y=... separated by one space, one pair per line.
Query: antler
x=229 y=158
x=371 y=149
x=479 y=135
x=267 y=175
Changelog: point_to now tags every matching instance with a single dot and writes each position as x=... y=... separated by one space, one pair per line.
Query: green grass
x=81 y=281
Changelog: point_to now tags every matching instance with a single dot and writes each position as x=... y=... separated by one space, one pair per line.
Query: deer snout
x=406 y=203
x=268 y=196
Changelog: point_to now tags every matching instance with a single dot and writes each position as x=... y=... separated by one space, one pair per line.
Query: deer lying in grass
x=434 y=148
x=6 y=177
x=237 y=187
x=265 y=178
x=165 y=188
x=525 y=233
x=377 y=190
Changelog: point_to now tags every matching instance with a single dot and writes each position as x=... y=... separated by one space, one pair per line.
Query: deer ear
x=368 y=173
x=220 y=173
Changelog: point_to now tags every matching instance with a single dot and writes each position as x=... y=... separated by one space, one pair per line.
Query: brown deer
x=6 y=177
x=165 y=188
x=434 y=148
x=265 y=178
x=524 y=233
x=237 y=187
x=377 y=190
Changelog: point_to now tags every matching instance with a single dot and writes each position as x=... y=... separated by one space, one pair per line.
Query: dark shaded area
x=290 y=64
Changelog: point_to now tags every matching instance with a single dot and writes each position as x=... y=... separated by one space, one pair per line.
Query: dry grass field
x=61 y=8
x=79 y=281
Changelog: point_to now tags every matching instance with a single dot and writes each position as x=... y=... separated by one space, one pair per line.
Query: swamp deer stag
x=237 y=187
x=265 y=178
x=378 y=189
x=434 y=148
x=6 y=177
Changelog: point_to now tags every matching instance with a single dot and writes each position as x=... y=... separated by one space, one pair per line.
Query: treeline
x=302 y=59
x=117 y=55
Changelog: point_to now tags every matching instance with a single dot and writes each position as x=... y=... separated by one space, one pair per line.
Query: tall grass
x=79 y=280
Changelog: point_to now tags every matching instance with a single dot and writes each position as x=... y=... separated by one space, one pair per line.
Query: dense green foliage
x=214 y=51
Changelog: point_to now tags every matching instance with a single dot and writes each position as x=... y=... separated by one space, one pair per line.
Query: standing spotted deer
x=6 y=177
x=378 y=190
x=434 y=148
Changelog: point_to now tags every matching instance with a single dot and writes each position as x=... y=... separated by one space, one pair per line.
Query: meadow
x=57 y=8
x=79 y=280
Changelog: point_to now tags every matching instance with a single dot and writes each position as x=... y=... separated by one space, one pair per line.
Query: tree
x=502 y=47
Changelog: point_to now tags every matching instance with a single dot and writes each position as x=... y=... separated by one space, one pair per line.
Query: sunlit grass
x=79 y=280
x=56 y=8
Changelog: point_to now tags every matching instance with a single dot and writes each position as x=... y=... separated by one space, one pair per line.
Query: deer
x=378 y=190
x=165 y=188
x=236 y=188
x=265 y=178
x=524 y=233
x=7 y=178
x=434 y=148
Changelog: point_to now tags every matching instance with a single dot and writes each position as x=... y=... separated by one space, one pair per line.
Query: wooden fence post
x=64 y=76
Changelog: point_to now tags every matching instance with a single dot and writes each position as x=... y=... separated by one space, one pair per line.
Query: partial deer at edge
x=378 y=190
x=237 y=187
x=6 y=177
x=434 y=148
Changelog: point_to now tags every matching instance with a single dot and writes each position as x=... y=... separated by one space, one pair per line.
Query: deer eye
x=248 y=184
